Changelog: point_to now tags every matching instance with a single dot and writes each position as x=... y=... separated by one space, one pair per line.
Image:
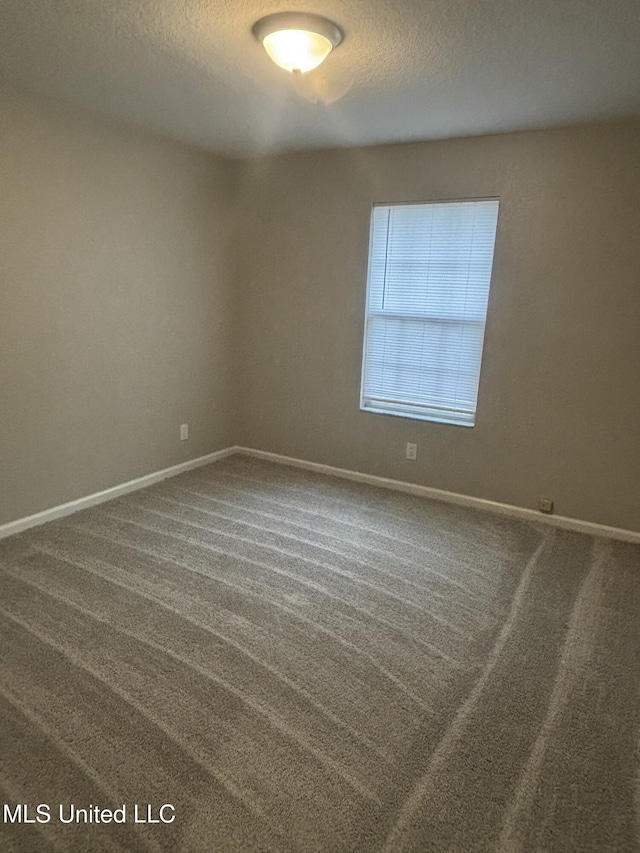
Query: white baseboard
x=564 y=522
x=109 y=494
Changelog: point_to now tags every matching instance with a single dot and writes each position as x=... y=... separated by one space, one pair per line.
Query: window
x=427 y=294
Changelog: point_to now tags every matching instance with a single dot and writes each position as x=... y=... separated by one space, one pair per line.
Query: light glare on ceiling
x=297 y=42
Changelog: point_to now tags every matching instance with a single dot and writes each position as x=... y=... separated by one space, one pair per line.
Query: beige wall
x=144 y=284
x=559 y=404
x=114 y=305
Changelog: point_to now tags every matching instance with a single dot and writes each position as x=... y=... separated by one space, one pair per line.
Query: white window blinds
x=427 y=293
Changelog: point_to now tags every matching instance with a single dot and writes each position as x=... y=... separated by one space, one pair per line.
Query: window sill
x=418 y=416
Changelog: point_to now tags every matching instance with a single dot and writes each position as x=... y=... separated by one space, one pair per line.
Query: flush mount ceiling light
x=297 y=42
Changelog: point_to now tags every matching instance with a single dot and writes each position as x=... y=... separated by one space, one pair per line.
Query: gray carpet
x=296 y=662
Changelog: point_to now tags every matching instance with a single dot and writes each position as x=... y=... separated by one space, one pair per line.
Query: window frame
x=403 y=410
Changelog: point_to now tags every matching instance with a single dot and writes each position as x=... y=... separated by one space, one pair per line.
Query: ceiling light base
x=297 y=41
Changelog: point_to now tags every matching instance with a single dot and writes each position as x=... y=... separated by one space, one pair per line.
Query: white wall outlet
x=545 y=505
x=412 y=451
x=184 y=432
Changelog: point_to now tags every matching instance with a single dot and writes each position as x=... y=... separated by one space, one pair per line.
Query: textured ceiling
x=408 y=69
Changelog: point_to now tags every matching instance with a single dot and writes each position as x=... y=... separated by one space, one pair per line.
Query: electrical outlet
x=412 y=451
x=545 y=505
x=184 y=432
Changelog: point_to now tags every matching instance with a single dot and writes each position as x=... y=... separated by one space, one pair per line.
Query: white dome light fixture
x=297 y=41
